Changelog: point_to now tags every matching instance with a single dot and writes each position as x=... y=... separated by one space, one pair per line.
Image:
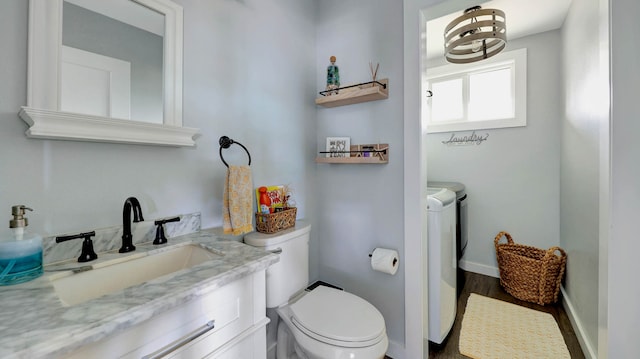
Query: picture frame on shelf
x=338 y=147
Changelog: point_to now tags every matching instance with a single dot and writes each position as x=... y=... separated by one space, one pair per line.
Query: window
x=482 y=95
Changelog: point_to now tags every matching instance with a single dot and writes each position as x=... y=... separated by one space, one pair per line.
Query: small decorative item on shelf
x=338 y=146
x=333 y=77
x=377 y=151
x=366 y=151
x=282 y=216
x=374 y=72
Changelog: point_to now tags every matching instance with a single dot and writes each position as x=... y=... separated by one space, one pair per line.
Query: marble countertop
x=35 y=324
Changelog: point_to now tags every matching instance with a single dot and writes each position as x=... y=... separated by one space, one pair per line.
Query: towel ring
x=226 y=142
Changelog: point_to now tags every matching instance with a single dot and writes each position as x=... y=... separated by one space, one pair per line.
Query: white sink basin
x=112 y=276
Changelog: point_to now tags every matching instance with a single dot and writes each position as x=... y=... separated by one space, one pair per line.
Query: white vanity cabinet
x=236 y=310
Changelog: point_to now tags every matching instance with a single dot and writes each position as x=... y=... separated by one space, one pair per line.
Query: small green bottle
x=333 y=76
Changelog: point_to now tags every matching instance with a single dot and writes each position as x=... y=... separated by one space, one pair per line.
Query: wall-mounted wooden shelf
x=377 y=153
x=370 y=91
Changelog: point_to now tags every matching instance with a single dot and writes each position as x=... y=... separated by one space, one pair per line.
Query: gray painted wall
x=580 y=157
x=512 y=178
x=93 y=32
x=361 y=205
x=249 y=73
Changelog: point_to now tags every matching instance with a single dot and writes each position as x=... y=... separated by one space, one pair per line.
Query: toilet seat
x=338 y=318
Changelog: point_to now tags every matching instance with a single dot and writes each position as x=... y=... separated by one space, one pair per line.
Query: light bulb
x=476 y=45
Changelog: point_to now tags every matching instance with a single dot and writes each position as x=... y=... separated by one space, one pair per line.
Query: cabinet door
x=241 y=350
x=230 y=311
x=253 y=346
x=231 y=307
x=250 y=344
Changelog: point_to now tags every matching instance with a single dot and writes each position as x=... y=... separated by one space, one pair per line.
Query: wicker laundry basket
x=528 y=273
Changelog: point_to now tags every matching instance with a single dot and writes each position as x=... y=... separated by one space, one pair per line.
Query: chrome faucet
x=127 y=238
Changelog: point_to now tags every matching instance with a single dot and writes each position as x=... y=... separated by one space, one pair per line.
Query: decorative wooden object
x=349 y=95
x=377 y=153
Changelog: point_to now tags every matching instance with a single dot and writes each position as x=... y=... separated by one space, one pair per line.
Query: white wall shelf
x=370 y=91
x=57 y=125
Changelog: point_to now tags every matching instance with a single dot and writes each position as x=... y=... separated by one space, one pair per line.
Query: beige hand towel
x=237 y=201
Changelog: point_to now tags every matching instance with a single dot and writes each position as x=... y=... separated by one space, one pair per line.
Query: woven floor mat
x=492 y=329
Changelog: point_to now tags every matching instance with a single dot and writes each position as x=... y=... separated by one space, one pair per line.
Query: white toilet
x=323 y=323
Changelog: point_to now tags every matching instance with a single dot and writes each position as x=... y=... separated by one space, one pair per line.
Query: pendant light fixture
x=475 y=35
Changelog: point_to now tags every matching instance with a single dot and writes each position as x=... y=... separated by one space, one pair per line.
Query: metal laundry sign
x=472 y=139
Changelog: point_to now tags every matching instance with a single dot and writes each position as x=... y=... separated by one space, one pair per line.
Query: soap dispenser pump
x=21 y=253
x=19 y=221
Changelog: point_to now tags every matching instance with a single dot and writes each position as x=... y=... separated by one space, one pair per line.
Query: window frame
x=515 y=59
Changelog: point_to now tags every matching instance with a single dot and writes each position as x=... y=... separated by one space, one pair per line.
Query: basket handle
x=552 y=252
x=499 y=236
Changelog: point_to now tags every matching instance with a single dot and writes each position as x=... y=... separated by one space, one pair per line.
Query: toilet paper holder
x=394 y=259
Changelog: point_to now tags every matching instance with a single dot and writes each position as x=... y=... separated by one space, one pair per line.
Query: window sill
x=476 y=125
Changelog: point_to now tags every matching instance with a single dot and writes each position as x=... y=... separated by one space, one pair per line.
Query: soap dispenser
x=21 y=252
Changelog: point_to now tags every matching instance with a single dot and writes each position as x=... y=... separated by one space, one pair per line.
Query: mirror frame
x=43 y=114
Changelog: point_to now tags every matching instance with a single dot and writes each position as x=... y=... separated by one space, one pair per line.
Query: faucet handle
x=88 y=254
x=160 y=237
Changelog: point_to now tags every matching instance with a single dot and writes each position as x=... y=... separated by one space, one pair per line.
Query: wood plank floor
x=490 y=287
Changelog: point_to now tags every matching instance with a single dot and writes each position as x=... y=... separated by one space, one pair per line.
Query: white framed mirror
x=136 y=98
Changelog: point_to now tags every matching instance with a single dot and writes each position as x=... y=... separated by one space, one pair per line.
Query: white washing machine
x=462 y=228
x=442 y=262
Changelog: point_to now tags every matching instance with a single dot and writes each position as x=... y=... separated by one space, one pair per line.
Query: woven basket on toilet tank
x=277 y=221
x=528 y=273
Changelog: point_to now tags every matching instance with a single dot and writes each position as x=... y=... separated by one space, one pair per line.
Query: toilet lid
x=338 y=318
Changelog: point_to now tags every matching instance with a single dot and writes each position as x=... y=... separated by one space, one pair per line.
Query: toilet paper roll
x=385 y=260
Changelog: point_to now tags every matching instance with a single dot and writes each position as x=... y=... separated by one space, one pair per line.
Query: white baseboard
x=396 y=351
x=578 y=328
x=479 y=268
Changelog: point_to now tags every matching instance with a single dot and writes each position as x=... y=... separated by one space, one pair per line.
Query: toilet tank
x=290 y=275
